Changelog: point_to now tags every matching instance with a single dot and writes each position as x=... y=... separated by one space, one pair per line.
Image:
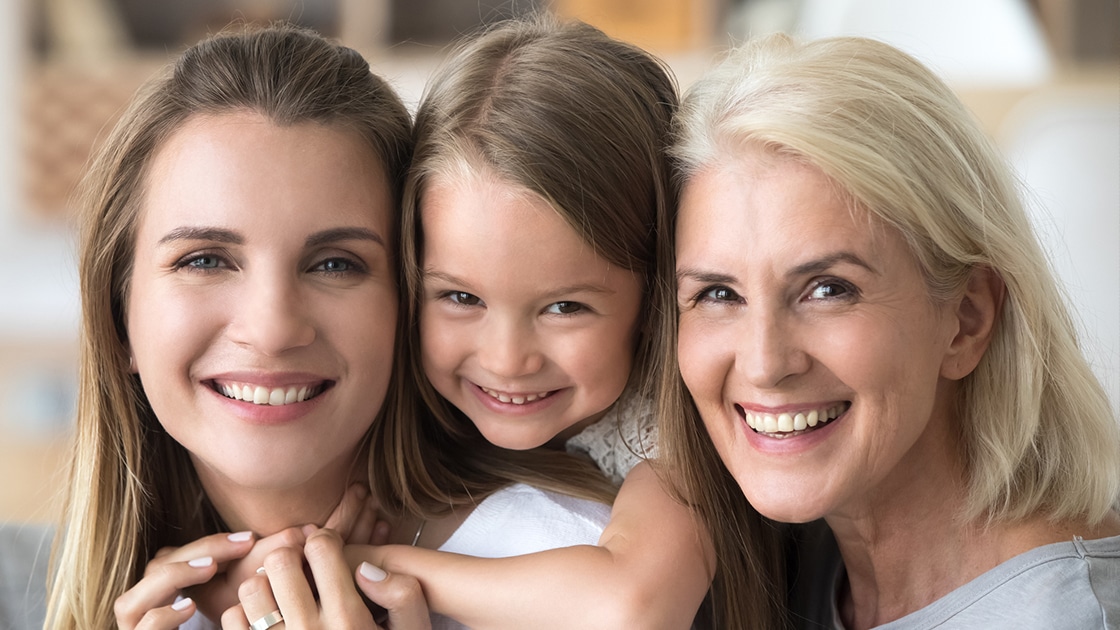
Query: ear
x=977 y=312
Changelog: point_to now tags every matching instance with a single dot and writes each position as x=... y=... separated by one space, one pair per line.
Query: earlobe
x=977 y=312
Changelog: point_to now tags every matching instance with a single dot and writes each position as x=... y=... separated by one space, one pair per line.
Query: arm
x=651 y=569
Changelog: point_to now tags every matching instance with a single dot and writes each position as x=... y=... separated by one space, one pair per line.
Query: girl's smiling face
x=523 y=326
x=808 y=340
x=262 y=305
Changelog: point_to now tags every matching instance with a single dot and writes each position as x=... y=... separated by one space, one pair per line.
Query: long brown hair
x=582 y=121
x=132 y=488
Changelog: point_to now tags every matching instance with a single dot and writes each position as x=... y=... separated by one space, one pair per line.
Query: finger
x=257 y=599
x=167 y=617
x=221 y=547
x=159 y=588
x=381 y=532
x=353 y=502
x=291 y=588
x=218 y=594
x=337 y=594
x=234 y=619
x=400 y=594
x=362 y=531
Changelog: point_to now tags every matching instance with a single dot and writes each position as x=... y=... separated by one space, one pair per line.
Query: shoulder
x=1073 y=584
x=522 y=519
x=626 y=435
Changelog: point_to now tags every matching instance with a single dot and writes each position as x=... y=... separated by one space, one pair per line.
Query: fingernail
x=308 y=530
x=260 y=569
x=240 y=536
x=198 y=563
x=182 y=604
x=372 y=573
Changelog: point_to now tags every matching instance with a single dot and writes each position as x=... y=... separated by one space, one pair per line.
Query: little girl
x=538 y=185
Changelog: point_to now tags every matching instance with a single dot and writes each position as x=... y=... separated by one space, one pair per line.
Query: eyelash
x=189 y=261
x=850 y=292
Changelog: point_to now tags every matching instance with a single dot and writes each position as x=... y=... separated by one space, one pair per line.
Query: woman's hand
x=286 y=590
x=355 y=518
x=152 y=603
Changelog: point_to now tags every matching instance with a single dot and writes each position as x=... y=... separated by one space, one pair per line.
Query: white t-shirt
x=521 y=519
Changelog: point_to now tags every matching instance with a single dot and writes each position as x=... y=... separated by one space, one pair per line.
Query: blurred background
x=1042 y=76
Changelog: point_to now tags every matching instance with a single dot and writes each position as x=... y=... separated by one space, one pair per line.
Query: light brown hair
x=132 y=488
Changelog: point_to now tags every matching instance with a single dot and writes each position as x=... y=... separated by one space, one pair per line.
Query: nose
x=271 y=315
x=770 y=349
x=508 y=348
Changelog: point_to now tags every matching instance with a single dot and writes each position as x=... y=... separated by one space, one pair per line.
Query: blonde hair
x=132 y=488
x=577 y=118
x=1037 y=433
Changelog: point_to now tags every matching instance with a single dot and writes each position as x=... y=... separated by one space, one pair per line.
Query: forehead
x=215 y=169
x=752 y=202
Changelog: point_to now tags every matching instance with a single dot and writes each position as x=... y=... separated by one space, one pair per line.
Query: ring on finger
x=267 y=621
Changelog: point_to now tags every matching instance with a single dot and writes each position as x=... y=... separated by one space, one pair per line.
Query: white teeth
x=790 y=422
x=274 y=396
x=519 y=399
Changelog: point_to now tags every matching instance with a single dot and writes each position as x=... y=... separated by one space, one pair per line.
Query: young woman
x=235 y=222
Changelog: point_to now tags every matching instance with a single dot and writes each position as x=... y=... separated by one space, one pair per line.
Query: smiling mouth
x=515 y=399
x=274 y=396
x=791 y=424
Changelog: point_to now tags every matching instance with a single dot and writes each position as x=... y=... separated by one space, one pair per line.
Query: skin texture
x=256 y=245
x=242 y=276
x=516 y=303
x=793 y=299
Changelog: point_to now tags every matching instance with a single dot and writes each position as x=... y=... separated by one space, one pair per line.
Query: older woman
x=869 y=334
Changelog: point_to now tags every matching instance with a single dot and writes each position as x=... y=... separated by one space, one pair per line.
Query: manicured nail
x=240 y=536
x=372 y=573
x=181 y=604
x=198 y=563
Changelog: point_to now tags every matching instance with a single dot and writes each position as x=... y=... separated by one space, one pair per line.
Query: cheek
x=699 y=360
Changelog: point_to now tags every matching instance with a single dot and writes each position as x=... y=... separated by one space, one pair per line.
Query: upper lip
x=268 y=379
x=787 y=408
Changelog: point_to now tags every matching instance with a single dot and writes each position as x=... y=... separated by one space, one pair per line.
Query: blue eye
x=339 y=266
x=201 y=263
x=564 y=308
x=204 y=262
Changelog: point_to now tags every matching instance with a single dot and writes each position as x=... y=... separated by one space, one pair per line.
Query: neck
x=270 y=509
x=905 y=545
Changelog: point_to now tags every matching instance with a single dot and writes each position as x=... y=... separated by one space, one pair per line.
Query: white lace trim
x=626 y=435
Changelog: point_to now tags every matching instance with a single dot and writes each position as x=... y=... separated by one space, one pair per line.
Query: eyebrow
x=344 y=234
x=221 y=235
x=824 y=264
x=190 y=233
x=559 y=291
x=703 y=277
x=807 y=268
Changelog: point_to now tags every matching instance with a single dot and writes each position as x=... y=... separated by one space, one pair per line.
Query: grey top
x=1071 y=585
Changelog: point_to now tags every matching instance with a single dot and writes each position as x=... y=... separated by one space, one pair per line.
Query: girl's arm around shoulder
x=651 y=569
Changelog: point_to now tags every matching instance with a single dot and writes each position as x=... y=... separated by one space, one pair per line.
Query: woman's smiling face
x=808 y=339
x=262 y=305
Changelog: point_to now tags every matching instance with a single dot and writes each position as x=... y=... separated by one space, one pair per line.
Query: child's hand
x=151 y=604
x=285 y=591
